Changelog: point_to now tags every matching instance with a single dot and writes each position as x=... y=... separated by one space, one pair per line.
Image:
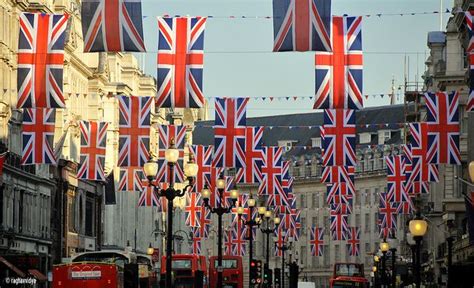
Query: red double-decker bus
x=232 y=271
x=189 y=271
x=348 y=275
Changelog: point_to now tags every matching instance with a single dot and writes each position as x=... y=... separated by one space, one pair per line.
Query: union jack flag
x=396 y=178
x=287 y=180
x=406 y=207
x=387 y=212
x=386 y=232
x=338 y=174
x=215 y=174
x=301 y=25
x=421 y=170
x=112 y=26
x=296 y=218
x=40 y=60
x=339 y=138
x=253 y=157
x=411 y=186
x=470 y=29
x=271 y=171
x=148 y=198
x=162 y=201
x=317 y=241
x=470 y=101
x=203 y=158
x=196 y=247
x=353 y=241
x=204 y=222
x=93 y=142
x=134 y=130
x=342 y=208
x=37 y=136
x=443 y=127
x=238 y=238
x=280 y=241
x=167 y=135
x=338 y=226
x=131 y=179
x=230 y=132
x=226 y=199
x=193 y=209
x=339 y=72
x=228 y=242
x=340 y=193
x=180 y=62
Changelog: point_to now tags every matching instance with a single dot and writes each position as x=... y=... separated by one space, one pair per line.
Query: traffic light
x=256 y=272
x=294 y=271
x=267 y=276
x=277 y=278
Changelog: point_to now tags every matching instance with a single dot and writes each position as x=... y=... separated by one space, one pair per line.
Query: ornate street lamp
x=471 y=171
x=284 y=247
x=269 y=230
x=150 y=250
x=418 y=228
x=384 y=247
x=219 y=210
x=393 y=250
x=376 y=273
x=151 y=169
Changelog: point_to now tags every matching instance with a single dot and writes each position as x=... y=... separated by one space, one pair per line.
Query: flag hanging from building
x=301 y=25
x=167 y=136
x=396 y=178
x=443 y=127
x=271 y=171
x=342 y=208
x=338 y=174
x=317 y=241
x=109 y=189
x=340 y=193
x=230 y=132
x=339 y=226
x=130 y=179
x=287 y=179
x=339 y=138
x=238 y=238
x=387 y=212
x=204 y=222
x=228 y=242
x=41 y=60
x=180 y=62
x=112 y=26
x=470 y=29
x=134 y=130
x=353 y=241
x=203 y=158
x=253 y=157
x=339 y=72
x=93 y=144
x=420 y=153
x=196 y=247
x=406 y=207
x=470 y=100
x=148 y=198
x=193 y=209
x=215 y=174
x=37 y=136
x=280 y=241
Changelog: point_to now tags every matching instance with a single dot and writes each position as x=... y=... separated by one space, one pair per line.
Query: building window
x=316 y=142
x=20 y=211
x=315 y=199
x=327 y=255
x=337 y=253
x=303 y=224
x=367 y=248
x=314 y=221
x=72 y=213
x=357 y=224
x=314 y=261
x=376 y=196
x=303 y=201
x=367 y=221
x=89 y=217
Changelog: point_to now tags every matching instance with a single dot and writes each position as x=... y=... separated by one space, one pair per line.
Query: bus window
x=181 y=264
x=227 y=263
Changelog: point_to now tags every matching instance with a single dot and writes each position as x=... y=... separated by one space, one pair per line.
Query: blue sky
x=238 y=61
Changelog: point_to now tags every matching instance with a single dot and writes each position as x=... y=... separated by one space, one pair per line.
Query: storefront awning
x=38 y=275
x=12 y=267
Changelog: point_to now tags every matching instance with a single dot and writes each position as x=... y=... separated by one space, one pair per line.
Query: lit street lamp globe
x=418 y=227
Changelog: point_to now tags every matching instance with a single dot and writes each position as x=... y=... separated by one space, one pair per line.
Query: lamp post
x=283 y=248
x=376 y=273
x=418 y=228
x=393 y=250
x=269 y=230
x=384 y=247
x=220 y=210
x=250 y=223
x=151 y=169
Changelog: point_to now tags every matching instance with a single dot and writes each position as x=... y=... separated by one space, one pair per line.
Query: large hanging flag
x=238 y=238
x=339 y=138
x=196 y=247
x=419 y=153
x=470 y=100
x=180 y=62
x=339 y=226
x=353 y=241
x=215 y=174
x=387 y=212
x=253 y=157
x=470 y=29
x=406 y=207
x=112 y=26
x=228 y=242
x=317 y=241
x=203 y=158
x=338 y=174
x=37 y=136
x=271 y=171
x=339 y=72
x=168 y=134
x=204 y=222
x=93 y=144
x=411 y=186
x=148 y=198
x=193 y=209
x=342 y=208
x=41 y=60
x=396 y=178
x=443 y=127
x=280 y=241
x=131 y=179
x=340 y=193
x=134 y=130
x=301 y=25
x=230 y=132
x=287 y=180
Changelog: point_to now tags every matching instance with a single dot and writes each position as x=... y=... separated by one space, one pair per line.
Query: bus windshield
x=227 y=263
x=347 y=284
x=350 y=270
x=181 y=264
x=115 y=258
